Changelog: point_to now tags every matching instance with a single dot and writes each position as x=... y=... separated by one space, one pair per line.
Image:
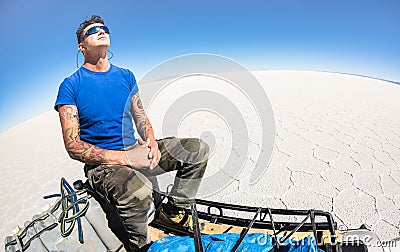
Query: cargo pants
x=131 y=191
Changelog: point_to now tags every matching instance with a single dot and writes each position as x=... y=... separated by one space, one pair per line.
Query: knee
x=196 y=146
x=200 y=150
x=204 y=149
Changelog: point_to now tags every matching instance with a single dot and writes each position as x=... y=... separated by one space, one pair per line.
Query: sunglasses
x=96 y=29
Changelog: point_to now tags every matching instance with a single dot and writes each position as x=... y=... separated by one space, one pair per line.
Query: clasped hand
x=144 y=156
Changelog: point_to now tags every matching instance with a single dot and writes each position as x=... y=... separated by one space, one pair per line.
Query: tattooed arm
x=143 y=125
x=144 y=128
x=89 y=153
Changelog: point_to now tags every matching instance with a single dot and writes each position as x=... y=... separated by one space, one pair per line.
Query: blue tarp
x=225 y=242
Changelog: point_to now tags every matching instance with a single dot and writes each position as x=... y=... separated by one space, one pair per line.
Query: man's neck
x=97 y=63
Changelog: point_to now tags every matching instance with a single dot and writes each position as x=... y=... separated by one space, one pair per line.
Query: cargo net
x=283 y=226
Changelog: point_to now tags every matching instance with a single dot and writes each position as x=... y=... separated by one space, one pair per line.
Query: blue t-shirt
x=103 y=102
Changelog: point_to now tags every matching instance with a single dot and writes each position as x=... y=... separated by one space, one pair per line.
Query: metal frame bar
x=261 y=222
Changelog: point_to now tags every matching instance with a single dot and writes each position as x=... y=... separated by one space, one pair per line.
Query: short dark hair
x=88 y=21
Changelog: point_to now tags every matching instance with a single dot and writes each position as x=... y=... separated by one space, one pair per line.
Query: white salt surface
x=337 y=148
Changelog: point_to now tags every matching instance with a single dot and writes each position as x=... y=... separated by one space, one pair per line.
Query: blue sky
x=39 y=45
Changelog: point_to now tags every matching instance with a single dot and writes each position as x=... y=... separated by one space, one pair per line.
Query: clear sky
x=38 y=42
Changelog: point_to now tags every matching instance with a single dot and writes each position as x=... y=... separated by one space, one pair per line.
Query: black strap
x=198 y=243
x=246 y=230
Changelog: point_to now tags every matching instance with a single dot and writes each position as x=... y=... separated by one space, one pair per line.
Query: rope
x=68 y=201
x=66 y=189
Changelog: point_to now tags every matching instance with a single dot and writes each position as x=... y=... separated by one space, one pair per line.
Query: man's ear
x=81 y=47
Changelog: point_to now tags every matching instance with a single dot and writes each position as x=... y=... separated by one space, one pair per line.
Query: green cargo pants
x=130 y=191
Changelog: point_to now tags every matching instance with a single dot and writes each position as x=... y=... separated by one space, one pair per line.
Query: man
x=96 y=105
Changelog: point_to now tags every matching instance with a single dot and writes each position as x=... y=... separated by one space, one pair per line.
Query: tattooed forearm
x=76 y=148
x=82 y=151
x=143 y=125
x=149 y=128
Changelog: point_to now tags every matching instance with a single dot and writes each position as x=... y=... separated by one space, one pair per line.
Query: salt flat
x=337 y=148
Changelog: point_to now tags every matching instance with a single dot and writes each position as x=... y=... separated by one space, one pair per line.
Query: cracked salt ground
x=337 y=148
